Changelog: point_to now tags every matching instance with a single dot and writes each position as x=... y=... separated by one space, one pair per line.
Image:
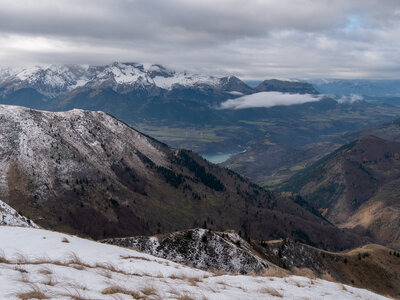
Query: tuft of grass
x=275 y=272
x=271 y=292
x=65 y=240
x=135 y=257
x=185 y=297
x=305 y=272
x=73 y=259
x=115 y=289
x=3 y=259
x=21 y=259
x=191 y=279
x=75 y=262
x=105 y=273
x=45 y=271
x=148 y=291
x=219 y=272
x=75 y=294
x=50 y=281
x=110 y=267
x=33 y=293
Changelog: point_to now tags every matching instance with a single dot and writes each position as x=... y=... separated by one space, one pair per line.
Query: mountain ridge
x=86 y=172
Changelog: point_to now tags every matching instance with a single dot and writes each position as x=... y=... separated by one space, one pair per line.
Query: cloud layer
x=268 y=99
x=253 y=39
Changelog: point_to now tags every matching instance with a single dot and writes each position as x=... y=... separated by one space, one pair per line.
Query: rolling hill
x=356 y=187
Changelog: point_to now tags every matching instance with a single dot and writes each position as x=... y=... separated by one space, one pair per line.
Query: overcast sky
x=253 y=39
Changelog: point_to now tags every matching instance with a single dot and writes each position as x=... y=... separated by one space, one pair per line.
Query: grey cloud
x=251 y=39
x=268 y=99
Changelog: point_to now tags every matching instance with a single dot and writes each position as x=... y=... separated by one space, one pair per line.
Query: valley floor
x=41 y=264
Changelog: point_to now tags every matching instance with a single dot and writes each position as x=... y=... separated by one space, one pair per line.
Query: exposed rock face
x=200 y=248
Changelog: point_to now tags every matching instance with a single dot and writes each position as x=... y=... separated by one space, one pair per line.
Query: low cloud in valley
x=268 y=99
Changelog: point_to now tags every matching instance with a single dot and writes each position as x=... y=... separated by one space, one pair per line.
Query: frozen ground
x=50 y=265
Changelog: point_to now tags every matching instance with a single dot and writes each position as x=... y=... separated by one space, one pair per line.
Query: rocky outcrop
x=200 y=248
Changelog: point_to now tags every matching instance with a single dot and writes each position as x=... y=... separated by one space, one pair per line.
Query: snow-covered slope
x=9 y=216
x=55 y=80
x=42 y=264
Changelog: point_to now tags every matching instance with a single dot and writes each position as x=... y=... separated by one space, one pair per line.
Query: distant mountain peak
x=284 y=86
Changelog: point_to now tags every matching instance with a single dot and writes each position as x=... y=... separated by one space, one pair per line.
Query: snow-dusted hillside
x=9 y=216
x=55 y=80
x=41 y=143
x=42 y=264
x=200 y=248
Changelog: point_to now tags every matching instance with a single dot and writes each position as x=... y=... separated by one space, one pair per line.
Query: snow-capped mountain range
x=54 y=80
x=132 y=92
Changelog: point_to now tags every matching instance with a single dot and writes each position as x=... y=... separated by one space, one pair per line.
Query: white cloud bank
x=268 y=99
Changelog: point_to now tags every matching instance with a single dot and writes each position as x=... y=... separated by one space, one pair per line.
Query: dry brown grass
x=148 y=291
x=174 y=292
x=20 y=259
x=75 y=294
x=120 y=290
x=45 y=271
x=328 y=277
x=50 y=281
x=65 y=240
x=219 y=272
x=194 y=280
x=305 y=272
x=110 y=267
x=3 y=259
x=33 y=293
x=185 y=297
x=191 y=279
x=275 y=272
x=135 y=257
x=271 y=292
x=73 y=259
x=105 y=273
